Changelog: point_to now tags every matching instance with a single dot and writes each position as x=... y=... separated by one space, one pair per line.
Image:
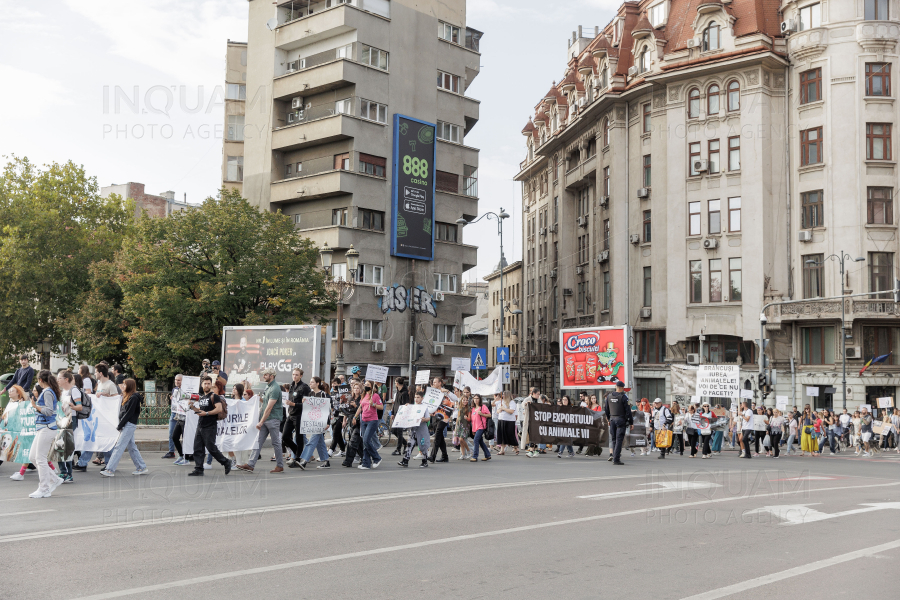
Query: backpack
x=86 y=406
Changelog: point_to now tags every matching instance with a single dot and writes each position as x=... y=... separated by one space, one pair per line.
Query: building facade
x=235 y=100
x=326 y=80
x=501 y=317
x=156 y=206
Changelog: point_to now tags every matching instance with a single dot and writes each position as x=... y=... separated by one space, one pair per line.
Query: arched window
x=693 y=103
x=604 y=132
x=734 y=96
x=711 y=37
x=604 y=79
x=712 y=100
x=644 y=62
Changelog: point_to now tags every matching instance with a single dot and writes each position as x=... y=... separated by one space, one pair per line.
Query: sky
x=134 y=92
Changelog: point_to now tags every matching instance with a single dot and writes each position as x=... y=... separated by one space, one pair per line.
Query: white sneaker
x=207 y=466
x=462 y=457
x=106 y=473
x=58 y=481
x=375 y=464
x=363 y=468
x=17 y=476
x=419 y=456
x=36 y=494
x=143 y=471
x=331 y=452
x=632 y=452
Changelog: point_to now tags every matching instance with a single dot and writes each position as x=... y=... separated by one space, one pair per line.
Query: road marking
x=798 y=514
x=801 y=570
x=460 y=538
x=664 y=486
x=807 y=478
x=27 y=512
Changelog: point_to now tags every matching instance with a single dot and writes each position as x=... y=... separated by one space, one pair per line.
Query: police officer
x=618 y=411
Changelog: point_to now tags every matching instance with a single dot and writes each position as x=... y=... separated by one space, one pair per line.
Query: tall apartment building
x=326 y=81
x=235 y=100
x=678 y=110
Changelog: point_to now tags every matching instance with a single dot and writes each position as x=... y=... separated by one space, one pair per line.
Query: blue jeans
x=479 y=441
x=87 y=456
x=172 y=422
x=717 y=438
x=315 y=442
x=369 y=433
x=563 y=447
x=790 y=443
x=126 y=440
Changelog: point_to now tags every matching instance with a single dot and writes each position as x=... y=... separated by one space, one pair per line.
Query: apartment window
x=334 y=328
x=296 y=219
x=881 y=270
x=644 y=60
x=693 y=157
x=339 y=216
x=235 y=128
x=811 y=146
x=712 y=100
x=881 y=340
x=448 y=132
x=645 y=118
x=647 y=233
x=339 y=271
x=448 y=81
x=818 y=345
x=444 y=334
x=374 y=57
x=582 y=296
x=606 y=181
x=344 y=106
x=711 y=37
x=448 y=32
x=584 y=201
x=693 y=103
x=372 y=111
x=365 y=329
x=734 y=214
x=604 y=77
x=606 y=234
x=445 y=282
x=584 y=249
x=371 y=219
x=714 y=216
x=878 y=141
x=810 y=86
x=345 y=51
x=713 y=163
x=734 y=96
x=235 y=168
x=810 y=16
x=293 y=169
x=715 y=280
x=607 y=291
x=658 y=14
x=647 y=173
x=470 y=181
x=648 y=287
x=734 y=153
x=735 y=293
x=371 y=274
x=696 y=283
x=880 y=206
x=372 y=165
x=447 y=182
x=876 y=10
x=341 y=162
x=235 y=91
x=556 y=209
x=693 y=218
x=878 y=79
x=813 y=210
x=445 y=232
x=813 y=275
x=652 y=346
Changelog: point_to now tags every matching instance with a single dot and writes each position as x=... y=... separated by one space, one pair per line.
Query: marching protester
x=297 y=391
x=808 y=441
x=207 y=408
x=17 y=394
x=354 y=439
x=506 y=424
x=865 y=429
x=441 y=419
x=72 y=403
x=175 y=407
x=480 y=414
x=129 y=411
x=401 y=398
x=316 y=441
x=45 y=432
x=337 y=419
x=677 y=430
x=463 y=426
x=618 y=411
x=705 y=430
x=86 y=379
x=367 y=413
x=269 y=424
x=418 y=436
x=662 y=422
x=690 y=429
x=776 y=428
x=23 y=377
x=746 y=429
x=564 y=401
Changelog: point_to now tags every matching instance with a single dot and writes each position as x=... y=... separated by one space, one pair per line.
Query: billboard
x=412 y=189
x=595 y=357
x=246 y=351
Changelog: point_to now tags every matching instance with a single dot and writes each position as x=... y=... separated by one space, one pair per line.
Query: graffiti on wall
x=400 y=298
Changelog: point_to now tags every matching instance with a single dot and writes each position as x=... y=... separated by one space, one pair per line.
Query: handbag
x=664 y=438
x=489 y=429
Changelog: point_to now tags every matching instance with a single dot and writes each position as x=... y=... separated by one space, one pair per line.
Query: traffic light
x=762 y=381
x=420 y=351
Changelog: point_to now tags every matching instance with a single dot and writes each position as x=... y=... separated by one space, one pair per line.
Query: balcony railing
x=346 y=161
x=354 y=105
x=301 y=9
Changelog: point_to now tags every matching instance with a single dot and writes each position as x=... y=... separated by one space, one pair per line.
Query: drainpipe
x=627 y=226
x=793 y=384
x=787 y=162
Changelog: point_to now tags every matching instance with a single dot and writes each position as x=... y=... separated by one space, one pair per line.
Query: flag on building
x=875 y=360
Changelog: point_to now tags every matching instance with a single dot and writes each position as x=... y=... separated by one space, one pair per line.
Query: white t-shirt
x=845 y=420
x=793 y=427
x=505 y=416
x=88 y=386
x=747 y=419
x=179 y=403
x=107 y=388
x=67 y=401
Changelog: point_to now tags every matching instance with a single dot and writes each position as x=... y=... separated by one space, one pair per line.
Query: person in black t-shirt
x=208 y=408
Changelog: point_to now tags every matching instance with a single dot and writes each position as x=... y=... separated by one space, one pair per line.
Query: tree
x=55 y=226
x=226 y=263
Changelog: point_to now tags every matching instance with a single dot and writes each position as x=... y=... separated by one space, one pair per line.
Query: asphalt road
x=513 y=527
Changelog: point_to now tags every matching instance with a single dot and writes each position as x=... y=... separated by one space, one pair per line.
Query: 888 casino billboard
x=595 y=357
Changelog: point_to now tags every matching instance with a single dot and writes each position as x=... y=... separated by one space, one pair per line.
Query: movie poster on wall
x=595 y=357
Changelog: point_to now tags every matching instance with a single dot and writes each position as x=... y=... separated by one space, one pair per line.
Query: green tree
x=55 y=226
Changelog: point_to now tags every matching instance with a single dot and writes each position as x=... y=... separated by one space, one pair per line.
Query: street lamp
x=339 y=285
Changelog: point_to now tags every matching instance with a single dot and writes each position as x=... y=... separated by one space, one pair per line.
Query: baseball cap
x=269 y=371
x=657 y=401
x=205 y=360
x=216 y=363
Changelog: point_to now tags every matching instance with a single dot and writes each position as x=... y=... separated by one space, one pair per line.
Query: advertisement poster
x=596 y=357
x=412 y=220
x=247 y=351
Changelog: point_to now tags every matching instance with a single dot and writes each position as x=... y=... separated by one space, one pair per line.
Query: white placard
x=695 y=399
x=747 y=394
x=98 y=432
x=488 y=386
x=812 y=392
x=720 y=381
x=422 y=377
x=885 y=402
x=868 y=407
x=409 y=415
x=284 y=398
x=759 y=422
x=315 y=415
x=460 y=363
x=190 y=385
x=433 y=397
x=238 y=431
x=377 y=373
x=781 y=402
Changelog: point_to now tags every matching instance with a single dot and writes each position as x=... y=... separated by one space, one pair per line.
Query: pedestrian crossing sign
x=479 y=358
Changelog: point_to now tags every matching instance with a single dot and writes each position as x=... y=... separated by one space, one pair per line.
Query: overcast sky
x=64 y=61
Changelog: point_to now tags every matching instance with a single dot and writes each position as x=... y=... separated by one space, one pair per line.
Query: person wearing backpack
x=662 y=421
x=129 y=411
x=45 y=433
x=210 y=408
x=73 y=398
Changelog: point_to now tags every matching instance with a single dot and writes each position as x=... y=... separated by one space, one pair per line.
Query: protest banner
x=17 y=432
x=422 y=377
x=718 y=381
x=340 y=396
x=377 y=373
x=759 y=422
x=247 y=351
x=684 y=380
x=98 y=432
x=885 y=402
x=315 y=415
x=409 y=415
x=460 y=363
x=238 y=430
x=695 y=399
x=492 y=384
x=433 y=397
x=551 y=424
x=637 y=435
x=190 y=385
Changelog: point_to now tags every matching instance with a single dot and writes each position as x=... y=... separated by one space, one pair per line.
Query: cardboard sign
x=781 y=402
x=718 y=381
x=433 y=397
x=747 y=394
x=695 y=399
x=878 y=426
x=460 y=363
x=190 y=385
x=315 y=415
x=377 y=373
x=422 y=377
x=719 y=411
x=885 y=402
x=868 y=407
x=812 y=392
x=409 y=415
x=759 y=422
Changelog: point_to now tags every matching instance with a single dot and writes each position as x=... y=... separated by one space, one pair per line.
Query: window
x=715 y=280
x=606 y=181
x=584 y=201
x=813 y=212
x=582 y=296
x=658 y=14
x=647 y=174
x=235 y=91
x=607 y=291
x=341 y=162
x=448 y=132
x=876 y=10
x=447 y=182
x=734 y=278
x=878 y=141
x=713 y=163
x=444 y=334
x=693 y=157
x=880 y=206
x=644 y=60
x=334 y=328
x=693 y=218
x=696 y=282
x=371 y=219
x=372 y=111
x=878 y=341
x=811 y=146
x=448 y=32
x=734 y=96
x=297 y=219
x=445 y=282
x=734 y=153
x=810 y=16
x=447 y=81
x=371 y=274
x=445 y=232
x=881 y=270
x=813 y=275
x=339 y=216
x=345 y=51
x=693 y=103
x=714 y=215
x=818 y=345
x=367 y=330
x=606 y=234
x=339 y=271
x=811 y=86
x=584 y=249
x=235 y=168
x=343 y=106
x=648 y=287
x=734 y=214
x=647 y=233
x=712 y=100
x=374 y=57
x=372 y=165
x=878 y=79
x=604 y=77
x=235 y=128
x=645 y=116
x=711 y=37
x=556 y=209
x=604 y=132
x=293 y=169
x=652 y=347
x=470 y=181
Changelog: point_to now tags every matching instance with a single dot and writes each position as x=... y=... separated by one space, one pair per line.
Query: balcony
x=831 y=309
x=456 y=108
x=321 y=178
x=302 y=22
x=328 y=122
x=587 y=169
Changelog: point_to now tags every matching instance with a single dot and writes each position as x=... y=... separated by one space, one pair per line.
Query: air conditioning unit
x=297 y=103
x=700 y=165
x=515 y=301
x=788 y=26
x=439 y=296
x=634 y=239
x=567 y=291
x=553 y=274
x=579 y=270
x=804 y=236
x=644 y=193
x=853 y=352
x=603 y=256
x=496 y=330
x=632 y=71
x=604 y=201
x=554 y=228
x=514 y=332
x=379 y=346
x=645 y=313
x=438 y=349
x=582 y=221
x=692 y=43
x=381 y=291
x=294 y=117
x=543 y=231
x=710 y=243
x=693 y=359
x=293 y=66
x=527 y=208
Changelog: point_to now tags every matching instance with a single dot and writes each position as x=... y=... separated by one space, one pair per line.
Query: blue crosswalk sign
x=479 y=358
x=502 y=354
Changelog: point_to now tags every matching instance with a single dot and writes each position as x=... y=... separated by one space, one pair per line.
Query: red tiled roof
x=643 y=25
x=587 y=62
x=752 y=16
x=541 y=116
x=568 y=81
x=528 y=128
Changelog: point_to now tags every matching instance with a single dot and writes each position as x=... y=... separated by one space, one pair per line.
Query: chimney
x=169 y=195
x=580 y=32
x=596 y=31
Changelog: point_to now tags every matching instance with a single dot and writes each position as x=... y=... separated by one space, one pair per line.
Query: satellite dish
x=272 y=24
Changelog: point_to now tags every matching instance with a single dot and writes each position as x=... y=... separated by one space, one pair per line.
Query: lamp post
x=339 y=285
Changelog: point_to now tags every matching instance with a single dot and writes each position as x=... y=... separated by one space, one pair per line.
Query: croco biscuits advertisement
x=595 y=357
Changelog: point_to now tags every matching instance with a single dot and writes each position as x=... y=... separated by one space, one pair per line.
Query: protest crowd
x=89 y=417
